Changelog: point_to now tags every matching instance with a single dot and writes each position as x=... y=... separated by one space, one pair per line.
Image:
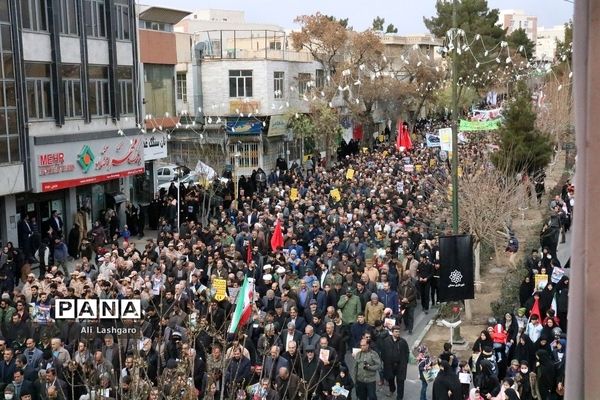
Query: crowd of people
x=333 y=295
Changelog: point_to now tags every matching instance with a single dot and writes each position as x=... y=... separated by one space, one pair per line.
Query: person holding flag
x=243 y=307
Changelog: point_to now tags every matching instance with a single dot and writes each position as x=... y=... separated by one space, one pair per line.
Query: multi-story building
x=158 y=58
x=517 y=19
x=399 y=46
x=241 y=81
x=545 y=47
x=70 y=113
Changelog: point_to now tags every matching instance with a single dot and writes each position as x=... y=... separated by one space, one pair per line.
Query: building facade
x=517 y=19
x=545 y=47
x=158 y=58
x=240 y=82
x=71 y=118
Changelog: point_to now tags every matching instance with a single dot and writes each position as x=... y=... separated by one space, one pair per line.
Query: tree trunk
x=477 y=256
x=468 y=311
x=413 y=120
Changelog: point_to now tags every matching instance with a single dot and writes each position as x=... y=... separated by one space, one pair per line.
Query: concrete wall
x=215 y=85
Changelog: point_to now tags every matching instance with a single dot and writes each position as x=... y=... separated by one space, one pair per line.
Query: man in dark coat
x=287 y=384
x=395 y=361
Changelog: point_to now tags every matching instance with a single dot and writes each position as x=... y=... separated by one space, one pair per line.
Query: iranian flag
x=243 y=307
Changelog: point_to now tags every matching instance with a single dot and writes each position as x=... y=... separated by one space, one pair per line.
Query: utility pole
x=454 y=119
x=457 y=338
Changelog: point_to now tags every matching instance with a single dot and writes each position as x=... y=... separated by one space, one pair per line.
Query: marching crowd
x=338 y=259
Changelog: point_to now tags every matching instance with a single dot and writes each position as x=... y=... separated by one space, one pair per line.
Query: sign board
x=278 y=125
x=244 y=106
x=63 y=165
x=445 y=135
x=155 y=146
x=241 y=126
x=221 y=289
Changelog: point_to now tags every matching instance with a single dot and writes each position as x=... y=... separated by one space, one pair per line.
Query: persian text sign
x=63 y=165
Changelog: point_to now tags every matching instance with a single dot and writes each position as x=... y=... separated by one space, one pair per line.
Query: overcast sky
x=406 y=15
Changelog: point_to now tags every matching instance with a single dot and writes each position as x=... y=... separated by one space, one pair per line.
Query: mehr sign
x=63 y=165
x=98 y=309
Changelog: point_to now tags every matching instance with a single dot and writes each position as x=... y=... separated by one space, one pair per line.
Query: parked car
x=186 y=181
x=168 y=173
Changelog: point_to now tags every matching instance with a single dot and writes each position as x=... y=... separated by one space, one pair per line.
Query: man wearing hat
x=310 y=370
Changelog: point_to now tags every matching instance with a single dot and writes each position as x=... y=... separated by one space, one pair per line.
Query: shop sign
x=278 y=125
x=64 y=165
x=155 y=146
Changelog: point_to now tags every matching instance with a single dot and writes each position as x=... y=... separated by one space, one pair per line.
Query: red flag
x=535 y=309
x=399 y=135
x=405 y=140
x=277 y=238
x=249 y=252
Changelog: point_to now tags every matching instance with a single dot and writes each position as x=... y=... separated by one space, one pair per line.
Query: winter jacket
x=350 y=308
x=366 y=366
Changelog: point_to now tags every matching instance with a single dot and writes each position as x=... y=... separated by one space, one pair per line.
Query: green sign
x=473 y=126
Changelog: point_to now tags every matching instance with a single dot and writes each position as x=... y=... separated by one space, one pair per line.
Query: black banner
x=456 y=268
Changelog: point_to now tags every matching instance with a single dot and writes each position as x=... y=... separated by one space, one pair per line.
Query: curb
x=425 y=331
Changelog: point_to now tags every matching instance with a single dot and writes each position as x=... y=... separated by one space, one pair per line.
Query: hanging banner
x=475 y=126
x=456 y=280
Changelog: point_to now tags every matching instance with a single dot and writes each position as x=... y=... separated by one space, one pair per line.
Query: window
x=156 y=26
x=320 y=78
x=274 y=45
x=9 y=135
x=68 y=17
x=125 y=79
x=34 y=16
x=98 y=91
x=249 y=155
x=278 y=84
x=39 y=90
x=71 y=77
x=4 y=16
x=240 y=83
x=95 y=18
x=123 y=26
x=181 y=87
x=303 y=83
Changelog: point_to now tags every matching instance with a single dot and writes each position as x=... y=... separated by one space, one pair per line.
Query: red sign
x=51 y=159
x=64 y=184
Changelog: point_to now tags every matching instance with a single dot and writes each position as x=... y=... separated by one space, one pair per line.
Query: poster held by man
x=456 y=280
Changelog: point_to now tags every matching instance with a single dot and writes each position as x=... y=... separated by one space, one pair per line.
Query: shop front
x=81 y=179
